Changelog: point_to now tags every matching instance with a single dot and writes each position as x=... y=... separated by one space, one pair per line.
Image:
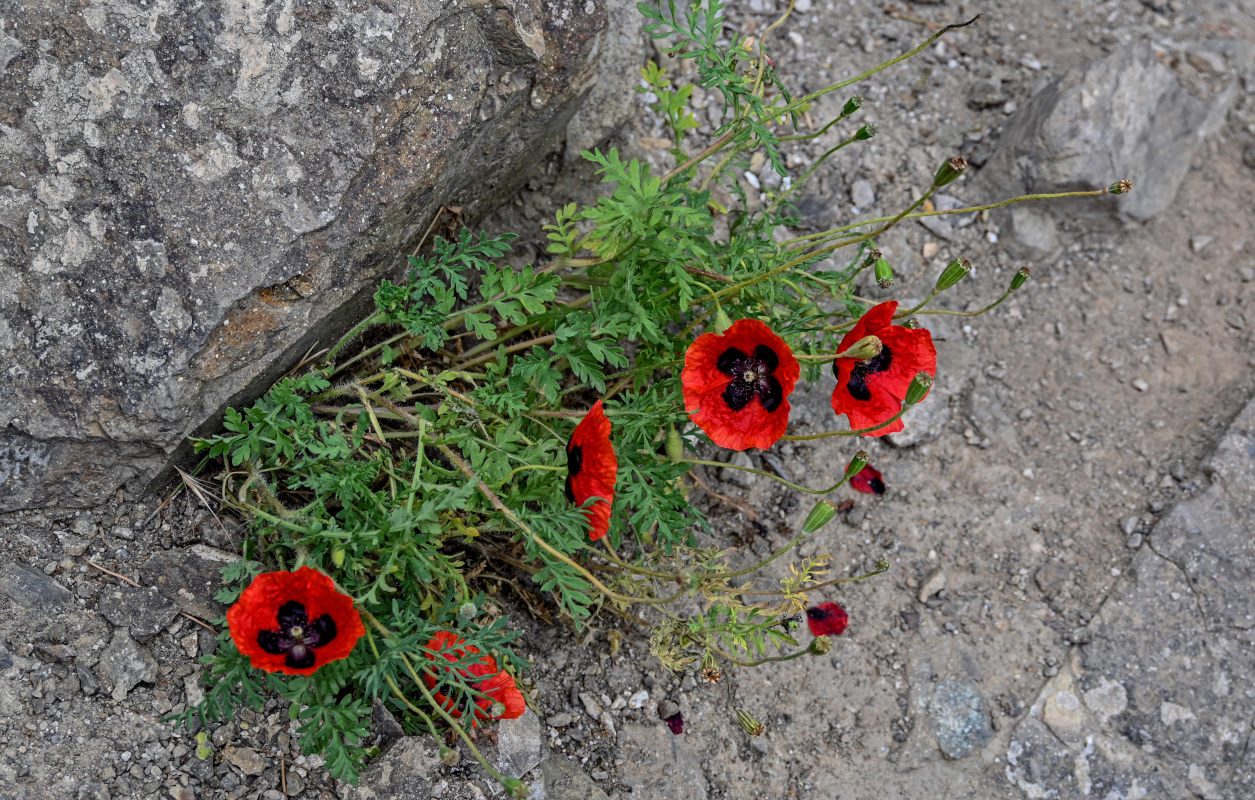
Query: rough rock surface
x=1176 y=720
x=191 y=193
x=1123 y=116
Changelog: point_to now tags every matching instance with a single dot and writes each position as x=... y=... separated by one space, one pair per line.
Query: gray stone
x=657 y=764
x=520 y=745
x=960 y=718
x=93 y=791
x=125 y=664
x=383 y=724
x=986 y=93
x=560 y=720
x=405 y=771
x=610 y=101
x=566 y=781
x=32 y=589
x=190 y=577
x=1124 y=116
x=192 y=196
x=247 y=759
x=862 y=194
x=736 y=477
x=146 y=612
x=1031 y=233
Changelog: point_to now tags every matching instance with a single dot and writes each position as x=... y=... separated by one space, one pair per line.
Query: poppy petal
x=592 y=469
x=827 y=619
x=868 y=480
x=872 y=391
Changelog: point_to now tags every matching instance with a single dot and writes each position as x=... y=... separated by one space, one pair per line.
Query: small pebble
x=1130 y=525
x=1140 y=385
x=559 y=720
x=930 y=249
x=1134 y=541
x=1199 y=243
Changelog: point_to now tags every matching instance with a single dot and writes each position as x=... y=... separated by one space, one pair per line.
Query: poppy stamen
x=751 y=377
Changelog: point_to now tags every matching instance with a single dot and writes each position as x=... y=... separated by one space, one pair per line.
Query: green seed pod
x=1017 y=280
x=337 y=556
x=851 y=105
x=884 y=274
x=821 y=645
x=722 y=320
x=819 y=516
x=1120 y=187
x=949 y=171
x=864 y=133
x=863 y=349
x=954 y=272
x=919 y=387
x=449 y=756
x=749 y=723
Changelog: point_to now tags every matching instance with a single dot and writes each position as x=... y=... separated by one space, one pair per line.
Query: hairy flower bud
x=467 y=612
x=1017 y=280
x=749 y=723
x=516 y=789
x=864 y=133
x=954 y=272
x=819 y=516
x=821 y=645
x=1120 y=187
x=950 y=170
x=919 y=387
x=856 y=464
x=674 y=445
x=851 y=105
x=884 y=274
x=449 y=756
x=722 y=320
x=863 y=349
x=337 y=556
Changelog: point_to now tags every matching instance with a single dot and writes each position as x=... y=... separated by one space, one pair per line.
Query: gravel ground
x=1066 y=614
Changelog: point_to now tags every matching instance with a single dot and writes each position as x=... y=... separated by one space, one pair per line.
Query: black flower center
x=296 y=637
x=574 y=463
x=857 y=385
x=752 y=376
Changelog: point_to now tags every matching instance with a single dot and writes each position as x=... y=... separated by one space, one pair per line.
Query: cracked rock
x=146 y=612
x=125 y=664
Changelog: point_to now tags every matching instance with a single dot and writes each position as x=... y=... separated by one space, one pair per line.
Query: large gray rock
x=193 y=195
x=1124 y=116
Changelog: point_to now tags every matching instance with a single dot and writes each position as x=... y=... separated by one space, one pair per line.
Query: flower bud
x=337 y=556
x=496 y=710
x=954 y=272
x=863 y=349
x=722 y=320
x=864 y=133
x=950 y=170
x=919 y=387
x=449 y=756
x=884 y=274
x=467 y=612
x=1017 y=280
x=1120 y=187
x=911 y=324
x=856 y=464
x=675 y=445
x=821 y=645
x=516 y=789
x=851 y=105
x=820 y=515
x=749 y=723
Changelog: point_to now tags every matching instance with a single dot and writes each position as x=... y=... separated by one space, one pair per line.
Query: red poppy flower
x=827 y=619
x=294 y=622
x=591 y=469
x=871 y=391
x=497 y=686
x=737 y=385
x=868 y=480
x=675 y=722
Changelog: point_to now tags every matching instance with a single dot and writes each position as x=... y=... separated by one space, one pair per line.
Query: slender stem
x=489 y=356
x=713 y=147
x=620 y=562
x=774 y=477
x=353 y=333
x=858 y=432
x=824 y=585
x=984 y=310
x=546 y=467
x=763 y=660
x=797 y=184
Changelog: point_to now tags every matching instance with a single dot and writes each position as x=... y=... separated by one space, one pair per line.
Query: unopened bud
x=467 y=612
x=919 y=387
x=950 y=170
x=954 y=272
x=675 y=445
x=911 y=324
x=722 y=320
x=821 y=645
x=337 y=556
x=884 y=274
x=863 y=349
x=1017 y=280
x=449 y=756
x=856 y=464
x=496 y=710
x=516 y=789
x=820 y=515
x=749 y=723
x=864 y=133
x=851 y=105
x=1120 y=187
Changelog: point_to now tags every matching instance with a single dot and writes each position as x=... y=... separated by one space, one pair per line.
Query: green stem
x=858 y=432
x=877 y=571
x=774 y=477
x=758 y=662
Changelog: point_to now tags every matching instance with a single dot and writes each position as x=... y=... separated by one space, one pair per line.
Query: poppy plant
x=737 y=385
x=294 y=622
x=871 y=391
x=827 y=619
x=592 y=469
x=496 y=686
